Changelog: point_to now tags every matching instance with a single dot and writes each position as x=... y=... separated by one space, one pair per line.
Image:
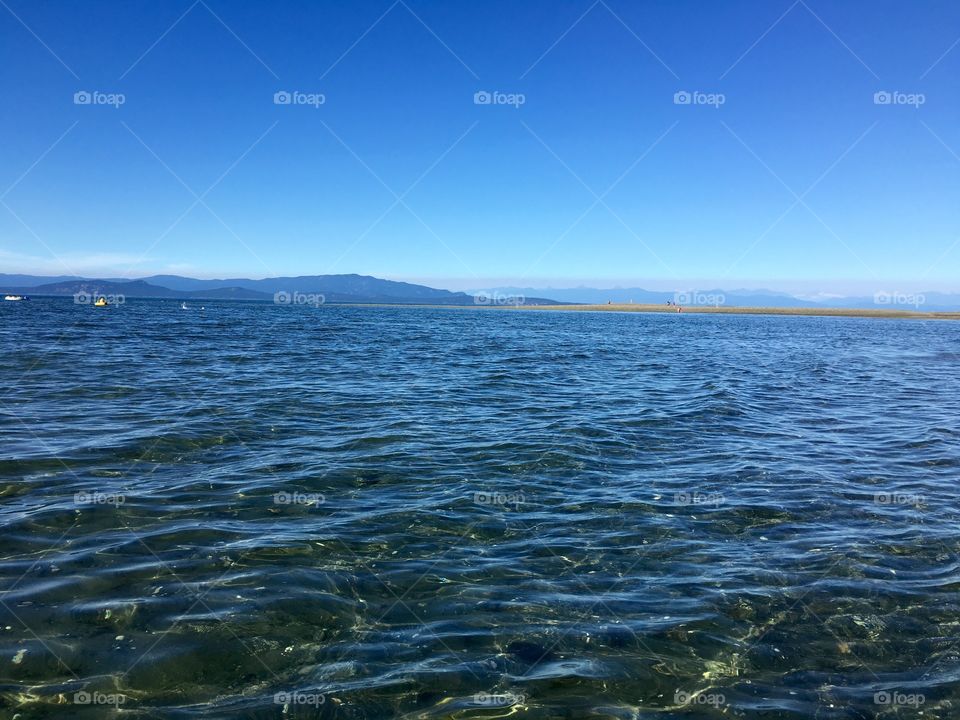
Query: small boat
x=14 y=298
x=101 y=302
x=183 y=306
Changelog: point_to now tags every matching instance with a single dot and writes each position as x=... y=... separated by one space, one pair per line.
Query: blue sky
x=785 y=171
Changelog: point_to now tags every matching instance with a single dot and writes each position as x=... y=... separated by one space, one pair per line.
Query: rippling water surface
x=252 y=511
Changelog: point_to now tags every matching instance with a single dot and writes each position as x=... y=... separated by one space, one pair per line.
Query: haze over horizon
x=794 y=146
x=810 y=290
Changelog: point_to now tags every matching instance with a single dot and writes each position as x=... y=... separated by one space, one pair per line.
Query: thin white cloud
x=93 y=264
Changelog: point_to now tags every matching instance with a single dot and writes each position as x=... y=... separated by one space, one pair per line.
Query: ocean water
x=250 y=511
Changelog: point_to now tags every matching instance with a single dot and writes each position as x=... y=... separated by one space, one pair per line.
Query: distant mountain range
x=333 y=288
x=888 y=299
x=366 y=289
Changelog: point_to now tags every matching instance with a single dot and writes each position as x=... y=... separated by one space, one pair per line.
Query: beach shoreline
x=724 y=310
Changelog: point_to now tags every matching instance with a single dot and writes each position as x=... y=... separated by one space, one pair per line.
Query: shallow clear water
x=252 y=511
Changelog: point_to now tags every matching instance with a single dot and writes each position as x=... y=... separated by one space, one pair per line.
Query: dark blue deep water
x=251 y=511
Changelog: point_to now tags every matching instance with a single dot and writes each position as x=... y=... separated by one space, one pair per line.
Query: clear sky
x=784 y=169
